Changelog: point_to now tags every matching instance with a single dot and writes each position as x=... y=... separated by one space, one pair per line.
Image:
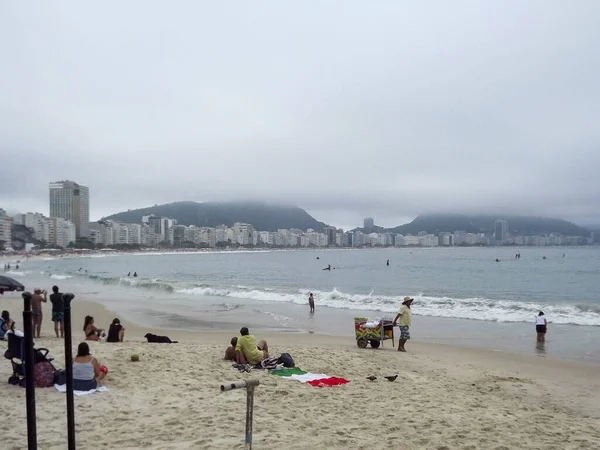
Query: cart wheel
x=13 y=380
x=374 y=343
x=22 y=382
x=361 y=342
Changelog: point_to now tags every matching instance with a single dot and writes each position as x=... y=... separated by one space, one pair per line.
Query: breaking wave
x=474 y=308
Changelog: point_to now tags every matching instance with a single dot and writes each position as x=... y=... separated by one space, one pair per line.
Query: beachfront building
x=71 y=201
x=369 y=224
x=61 y=232
x=501 y=231
x=243 y=233
x=36 y=222
x=330 y=234
x=5 y=229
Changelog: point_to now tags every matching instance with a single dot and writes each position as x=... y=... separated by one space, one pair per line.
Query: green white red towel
x=314 y=379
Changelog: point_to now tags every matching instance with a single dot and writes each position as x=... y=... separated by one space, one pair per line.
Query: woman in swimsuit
x=92 y=333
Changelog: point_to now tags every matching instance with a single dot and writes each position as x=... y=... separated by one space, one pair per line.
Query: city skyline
x=412 y=115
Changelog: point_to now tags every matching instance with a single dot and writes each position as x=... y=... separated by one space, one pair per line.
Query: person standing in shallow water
x=405 y=316
x=311 y=302
x=541 y=326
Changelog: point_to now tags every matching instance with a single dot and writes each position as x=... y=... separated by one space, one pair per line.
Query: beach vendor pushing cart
x=405 y=316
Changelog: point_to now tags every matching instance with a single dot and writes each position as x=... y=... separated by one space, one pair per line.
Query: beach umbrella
x=8 y=284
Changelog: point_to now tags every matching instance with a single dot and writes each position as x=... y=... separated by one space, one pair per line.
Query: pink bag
x=43 y=373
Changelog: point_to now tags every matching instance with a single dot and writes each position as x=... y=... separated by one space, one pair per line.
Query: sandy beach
x=445 y=397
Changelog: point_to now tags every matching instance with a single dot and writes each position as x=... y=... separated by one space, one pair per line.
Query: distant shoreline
x=154 y=251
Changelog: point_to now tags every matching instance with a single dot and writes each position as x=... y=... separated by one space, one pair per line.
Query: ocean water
x=462 y=294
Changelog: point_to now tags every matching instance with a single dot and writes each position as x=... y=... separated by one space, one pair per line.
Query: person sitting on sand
x=92 y=333
x=247 y=351
x=230 y=352
x=87 y=371
x=116 y=331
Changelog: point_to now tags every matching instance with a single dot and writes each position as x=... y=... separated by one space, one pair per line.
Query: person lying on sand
x=247 y=351
x=92 y=333
x=230 y=352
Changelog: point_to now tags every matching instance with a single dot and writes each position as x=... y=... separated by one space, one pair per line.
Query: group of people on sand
x=116 y=331
x=245 y=350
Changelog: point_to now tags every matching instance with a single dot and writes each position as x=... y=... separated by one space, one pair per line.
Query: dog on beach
x=155 y=338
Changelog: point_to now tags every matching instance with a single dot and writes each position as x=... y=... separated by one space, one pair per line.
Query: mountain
x=519 y=225
x=262 y=216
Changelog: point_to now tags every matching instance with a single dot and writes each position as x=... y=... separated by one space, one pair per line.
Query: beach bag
x=287 y=360
x=43 y=374
x=60 y=377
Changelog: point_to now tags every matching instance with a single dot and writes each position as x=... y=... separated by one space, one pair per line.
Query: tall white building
x=500 y=230
x=61 y=232
x=71 y=201
x=5 y=229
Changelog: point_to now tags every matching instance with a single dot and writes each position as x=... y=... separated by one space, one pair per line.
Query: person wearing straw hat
x=405 y=316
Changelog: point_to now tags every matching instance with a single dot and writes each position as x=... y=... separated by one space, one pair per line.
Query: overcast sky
x=347 y=108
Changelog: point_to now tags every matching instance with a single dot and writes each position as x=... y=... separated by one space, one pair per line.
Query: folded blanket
x=63 y=388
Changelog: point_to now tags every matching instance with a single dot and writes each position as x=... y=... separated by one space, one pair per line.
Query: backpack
x=60 y=377
x=287 y=360
x=43 y=374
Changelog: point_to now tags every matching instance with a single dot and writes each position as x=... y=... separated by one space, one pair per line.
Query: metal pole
x=69 y=369
x=249 y=385
x=249 y=415
x=29 y=372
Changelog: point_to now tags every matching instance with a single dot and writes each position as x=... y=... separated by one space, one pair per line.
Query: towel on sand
x=314 y=379
x=63 y=388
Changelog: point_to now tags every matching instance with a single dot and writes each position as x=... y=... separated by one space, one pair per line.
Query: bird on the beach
x=371 y=378
x=391 y=378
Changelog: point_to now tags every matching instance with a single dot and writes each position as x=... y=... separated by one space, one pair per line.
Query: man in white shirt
x=405 y=316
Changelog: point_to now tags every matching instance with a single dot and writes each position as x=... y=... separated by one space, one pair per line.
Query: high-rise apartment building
x=71 y=201
x=500 y=230
x=369 y=224
x=5 y=229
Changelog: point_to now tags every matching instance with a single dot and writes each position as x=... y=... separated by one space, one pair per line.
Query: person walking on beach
x=405 y=316
x=58 y=312
x=37 y=298
x=541 y=326
x=311 y=302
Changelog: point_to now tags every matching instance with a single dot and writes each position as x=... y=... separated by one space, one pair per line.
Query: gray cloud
x=385 y=109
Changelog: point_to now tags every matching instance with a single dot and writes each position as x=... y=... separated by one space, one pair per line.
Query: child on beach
x=230 y=352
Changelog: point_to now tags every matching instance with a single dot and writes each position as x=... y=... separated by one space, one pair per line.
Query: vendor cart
x=373 y=332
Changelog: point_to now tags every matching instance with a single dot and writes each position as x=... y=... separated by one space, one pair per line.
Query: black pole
x=29 y=372
x=69 y=369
